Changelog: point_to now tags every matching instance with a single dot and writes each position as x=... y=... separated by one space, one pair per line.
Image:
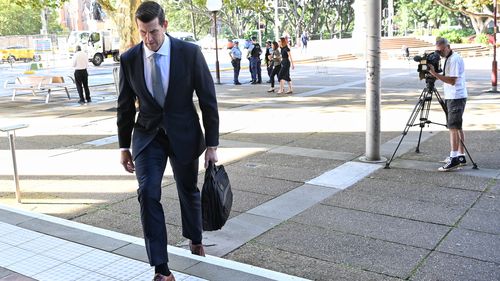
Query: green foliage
x=456 y=36
x=25 y=20
x=452 y=35
x=17 y=20
x=425 y=12
x=481 y=39
x=39 y=4
x=54 y=25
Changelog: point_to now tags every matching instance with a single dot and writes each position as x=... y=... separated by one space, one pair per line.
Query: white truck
x=98 y=45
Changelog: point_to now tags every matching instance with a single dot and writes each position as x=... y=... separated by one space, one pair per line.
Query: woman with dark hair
x=276 y=58
x=286 y=62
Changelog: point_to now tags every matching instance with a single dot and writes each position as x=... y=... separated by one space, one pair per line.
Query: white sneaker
x=461 y=158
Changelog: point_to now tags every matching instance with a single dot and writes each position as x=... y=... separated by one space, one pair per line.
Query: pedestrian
x=304 y=38
x=255 y=53
x=286 y=63
x=455 y=95
x=154 y=72
x=80 y=64
x=276 y=57
x=405 y=52
x=268 y=59
x=235 y=55
x=249 y=46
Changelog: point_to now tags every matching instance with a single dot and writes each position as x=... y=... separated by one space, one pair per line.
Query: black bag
x=216 y=198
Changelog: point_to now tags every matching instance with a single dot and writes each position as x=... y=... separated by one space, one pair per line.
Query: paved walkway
x=40 y=247
x=304 y=204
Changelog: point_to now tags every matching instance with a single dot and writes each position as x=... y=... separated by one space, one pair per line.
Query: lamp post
x=214 y=6
x=494 y=64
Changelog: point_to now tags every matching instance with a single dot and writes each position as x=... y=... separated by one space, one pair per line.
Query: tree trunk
x=124 y=19
x=480 y=24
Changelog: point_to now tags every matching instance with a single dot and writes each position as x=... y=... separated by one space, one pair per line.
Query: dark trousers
x=237 y=66
x=275 y=72
x=270 y=67
x=82 y=82
x=150 y=166
x=256 y=71
x=250 y=66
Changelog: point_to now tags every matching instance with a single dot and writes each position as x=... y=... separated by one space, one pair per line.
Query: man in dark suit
x=161 y=73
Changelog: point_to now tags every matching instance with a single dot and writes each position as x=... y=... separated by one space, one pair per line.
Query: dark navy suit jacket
x=188 y=73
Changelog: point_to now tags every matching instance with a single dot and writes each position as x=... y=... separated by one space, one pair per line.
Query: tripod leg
x=417 y=149
x=441 y=102
x=424 y=117
x=405 y=131
x=474 y=165
x=411 y=121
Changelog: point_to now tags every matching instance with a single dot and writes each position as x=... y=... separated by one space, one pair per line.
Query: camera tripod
x=421 y=111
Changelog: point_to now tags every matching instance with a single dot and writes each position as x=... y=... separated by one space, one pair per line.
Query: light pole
x=372 y=25
x=276 y=21
x=494 y=64
x=214 y=6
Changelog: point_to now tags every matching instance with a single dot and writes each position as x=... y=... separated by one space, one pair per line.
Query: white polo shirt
x=455 y=68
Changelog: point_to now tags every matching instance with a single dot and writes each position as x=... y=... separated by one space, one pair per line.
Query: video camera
x=423 y=64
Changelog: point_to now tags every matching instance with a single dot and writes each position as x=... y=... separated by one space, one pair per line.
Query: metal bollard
x=11 y=134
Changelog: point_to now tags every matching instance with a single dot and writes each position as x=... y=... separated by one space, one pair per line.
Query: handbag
x=216 y=198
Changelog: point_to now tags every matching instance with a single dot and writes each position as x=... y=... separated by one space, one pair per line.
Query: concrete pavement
x=303 y=203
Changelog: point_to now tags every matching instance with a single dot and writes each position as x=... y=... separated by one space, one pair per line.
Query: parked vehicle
x=98 y=45
x=184 y=36
x=208 y=42
x=18 y=53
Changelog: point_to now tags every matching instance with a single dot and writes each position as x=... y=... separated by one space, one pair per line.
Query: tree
x=425 y=12
x=39 y=4
x=24 y=20
x=479 y=11
x=122 y=13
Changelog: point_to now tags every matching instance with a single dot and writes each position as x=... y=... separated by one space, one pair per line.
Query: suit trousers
x=150 y=166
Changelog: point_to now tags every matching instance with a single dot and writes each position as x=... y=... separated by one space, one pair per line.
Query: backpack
x=257 y=50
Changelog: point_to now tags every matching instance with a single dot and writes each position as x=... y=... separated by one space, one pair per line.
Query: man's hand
x=126 y=161
x=432 y=71
x=445 y=79
x=210 y=156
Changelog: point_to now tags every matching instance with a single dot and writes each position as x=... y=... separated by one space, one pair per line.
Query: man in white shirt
x=455 y=95
x=80 y=63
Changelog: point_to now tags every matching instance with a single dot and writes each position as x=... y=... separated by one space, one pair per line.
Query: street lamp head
x=214 y=5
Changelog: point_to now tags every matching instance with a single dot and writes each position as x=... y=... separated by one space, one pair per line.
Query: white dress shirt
x=164 y=62
x=80 y=60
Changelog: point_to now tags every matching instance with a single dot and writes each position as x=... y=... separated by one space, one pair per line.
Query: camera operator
x=455 y=95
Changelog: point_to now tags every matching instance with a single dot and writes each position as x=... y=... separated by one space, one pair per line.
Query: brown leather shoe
x=160 y=277
x=197 y=249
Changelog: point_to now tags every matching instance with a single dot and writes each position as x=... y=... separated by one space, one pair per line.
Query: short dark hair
x=78 y=48
x=254 y=38
x=148 y=11
x=275 y=45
